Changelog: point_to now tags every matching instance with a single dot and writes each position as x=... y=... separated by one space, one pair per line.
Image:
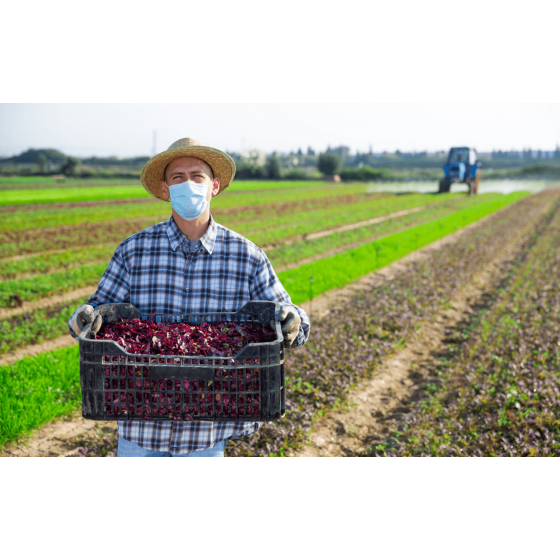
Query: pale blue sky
x=128 y=129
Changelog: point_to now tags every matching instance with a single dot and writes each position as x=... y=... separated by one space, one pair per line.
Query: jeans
x=129 y=449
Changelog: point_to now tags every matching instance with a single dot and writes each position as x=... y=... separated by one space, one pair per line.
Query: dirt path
x=36 y=349
x=69 y=437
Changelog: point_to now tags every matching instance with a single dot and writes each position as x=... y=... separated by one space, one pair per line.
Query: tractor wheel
x=444 y=186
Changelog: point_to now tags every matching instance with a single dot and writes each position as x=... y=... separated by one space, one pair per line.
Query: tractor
x=462 y=166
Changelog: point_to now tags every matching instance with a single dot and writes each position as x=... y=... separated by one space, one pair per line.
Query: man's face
x=190 y=168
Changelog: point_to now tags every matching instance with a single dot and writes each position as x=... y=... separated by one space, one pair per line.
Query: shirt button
x=187 y=290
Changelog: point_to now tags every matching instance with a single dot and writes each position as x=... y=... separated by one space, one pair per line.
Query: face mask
x=188 y=199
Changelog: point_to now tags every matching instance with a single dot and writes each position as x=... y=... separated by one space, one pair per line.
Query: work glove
x=86 y=314
x=289 y=323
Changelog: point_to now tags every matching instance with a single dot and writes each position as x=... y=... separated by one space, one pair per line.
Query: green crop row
x=79 y=194
x=45 y=217
x=35 y=390
x=332 y=272
x=277 y=228
x=86 y=234
x=43 y=263
x=61 y=281
x=47 y=181
x=36 y=326
x=48 y=323
x=30 y=289
x=286 y=255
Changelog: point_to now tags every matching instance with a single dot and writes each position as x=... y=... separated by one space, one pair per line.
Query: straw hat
x=222 y=165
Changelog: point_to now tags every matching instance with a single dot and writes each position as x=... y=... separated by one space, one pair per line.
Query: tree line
x=336 y=162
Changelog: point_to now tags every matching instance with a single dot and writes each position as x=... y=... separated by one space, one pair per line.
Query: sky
x=134 y=129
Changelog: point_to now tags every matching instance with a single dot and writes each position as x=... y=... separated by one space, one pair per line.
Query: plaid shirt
x=157 y=270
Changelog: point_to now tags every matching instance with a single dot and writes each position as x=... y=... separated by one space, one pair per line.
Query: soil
x=72 y=436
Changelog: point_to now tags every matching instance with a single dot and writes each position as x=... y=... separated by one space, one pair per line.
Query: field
x=378 y=268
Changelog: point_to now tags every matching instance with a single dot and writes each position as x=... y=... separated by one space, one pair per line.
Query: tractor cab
x=462 y=167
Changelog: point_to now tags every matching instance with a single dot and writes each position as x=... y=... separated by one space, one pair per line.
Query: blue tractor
x=463 y=166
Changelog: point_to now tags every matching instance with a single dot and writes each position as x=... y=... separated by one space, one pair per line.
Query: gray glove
x=83 y=315
x=289 y=323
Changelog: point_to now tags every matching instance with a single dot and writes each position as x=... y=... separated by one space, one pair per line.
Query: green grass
x=34 y=391
x=343 y=268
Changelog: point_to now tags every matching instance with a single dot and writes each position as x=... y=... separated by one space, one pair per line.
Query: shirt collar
x=176 y=236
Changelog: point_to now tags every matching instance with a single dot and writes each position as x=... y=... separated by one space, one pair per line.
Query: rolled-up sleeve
x=265 y=285
x=114 y=286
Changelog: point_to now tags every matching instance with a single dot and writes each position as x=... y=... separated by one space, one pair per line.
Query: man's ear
x=215 y=186
x=165 y=191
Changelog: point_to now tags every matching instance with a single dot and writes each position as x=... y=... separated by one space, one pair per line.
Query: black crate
x=118 y=385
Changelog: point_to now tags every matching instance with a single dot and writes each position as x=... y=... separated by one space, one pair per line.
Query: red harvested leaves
x=222 y=339
x=233 y=392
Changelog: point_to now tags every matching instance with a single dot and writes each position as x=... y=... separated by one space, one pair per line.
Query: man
x=188 y=264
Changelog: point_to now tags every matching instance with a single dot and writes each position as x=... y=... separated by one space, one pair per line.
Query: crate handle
x=111 y=313
x=266 y=311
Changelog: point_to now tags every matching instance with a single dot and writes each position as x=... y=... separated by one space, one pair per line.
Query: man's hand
x=289 y=323
x=86 y=314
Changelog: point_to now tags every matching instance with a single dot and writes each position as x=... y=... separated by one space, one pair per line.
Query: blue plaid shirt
x=158 y=270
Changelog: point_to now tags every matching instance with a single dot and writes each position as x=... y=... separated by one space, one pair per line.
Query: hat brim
x=222 y=166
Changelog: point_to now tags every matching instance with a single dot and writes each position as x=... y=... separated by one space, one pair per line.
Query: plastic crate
x=117 y=385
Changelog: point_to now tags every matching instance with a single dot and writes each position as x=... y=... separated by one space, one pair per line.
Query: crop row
x=339 y=353
x=63 y=237
x=284 y=256
x=49 y=262
x=13 y=292
x=71 y=276
x=34 y=327
x=499 y=389
x=35 y=390
x=54 y=215
x=342 y=268
x=280 y=228
x=66 y=237
x=240 y=191
x=346 y=346
x=47 y=323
